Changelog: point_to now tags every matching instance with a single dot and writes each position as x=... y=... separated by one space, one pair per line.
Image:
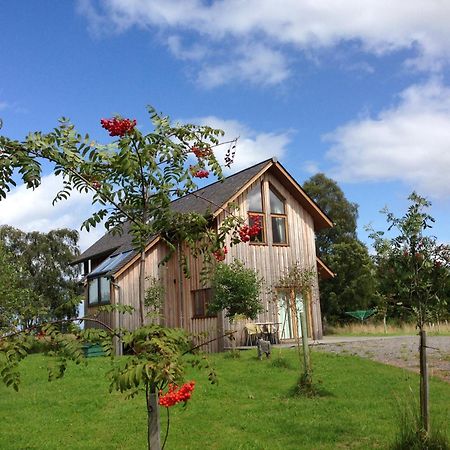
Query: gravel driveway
x=400 y=351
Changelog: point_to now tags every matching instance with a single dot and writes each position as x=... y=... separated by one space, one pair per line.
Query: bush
x=236 y=289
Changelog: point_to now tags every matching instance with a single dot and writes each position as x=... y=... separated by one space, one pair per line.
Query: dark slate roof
x=213 y=197
x=210 y=198
x=108 y=244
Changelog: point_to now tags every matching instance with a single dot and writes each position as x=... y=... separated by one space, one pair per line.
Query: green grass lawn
x=250 y=408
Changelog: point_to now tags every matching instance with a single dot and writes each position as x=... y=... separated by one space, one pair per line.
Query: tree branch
x=61 y=321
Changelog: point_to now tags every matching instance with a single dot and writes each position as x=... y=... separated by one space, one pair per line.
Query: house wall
x=271 y=261
x=178 y=309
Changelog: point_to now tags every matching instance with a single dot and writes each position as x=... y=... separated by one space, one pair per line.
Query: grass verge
x=377 y=329
x=251 y=408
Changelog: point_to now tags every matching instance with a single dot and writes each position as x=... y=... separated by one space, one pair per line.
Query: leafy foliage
x=11 y=353
x=43 y=273
x=156 y=354
x=133 y=181
x=156 y=359
x=297 y=278
x=138 y=175
x=236 y=289
x=13 y=295
x=417 y=277
x=332 y=201
x=354 y=284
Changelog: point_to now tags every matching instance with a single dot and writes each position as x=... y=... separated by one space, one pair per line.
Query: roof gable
x=213 y=197
x=321 y=220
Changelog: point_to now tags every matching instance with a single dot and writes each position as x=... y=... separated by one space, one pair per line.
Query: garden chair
x=252 y=333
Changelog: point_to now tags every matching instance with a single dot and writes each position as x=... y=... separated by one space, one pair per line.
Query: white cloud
x=409 y=142
x=269 y=29
x=193 y=53
x=252 y=146
x=33 y=211
x=256 y=63
x=311 y=167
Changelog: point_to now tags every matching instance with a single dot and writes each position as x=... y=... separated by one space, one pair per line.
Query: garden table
x=269 y=331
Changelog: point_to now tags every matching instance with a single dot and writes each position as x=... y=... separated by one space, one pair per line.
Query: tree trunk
x=153 y=422
x=117 y=340
x=384 y=323
x=180 y=285
x=424 y=389
x=142 y=289
x=232 y=337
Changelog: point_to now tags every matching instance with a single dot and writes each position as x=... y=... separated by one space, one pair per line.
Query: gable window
x=98 y=291
x=256 y=214
x=277 y=217
x=200 y=301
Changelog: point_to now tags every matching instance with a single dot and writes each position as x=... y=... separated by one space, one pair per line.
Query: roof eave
x=119 y=270
x=96 y=255
x=324 y=271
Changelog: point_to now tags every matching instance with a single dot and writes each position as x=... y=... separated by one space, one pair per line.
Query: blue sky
x=357 y=89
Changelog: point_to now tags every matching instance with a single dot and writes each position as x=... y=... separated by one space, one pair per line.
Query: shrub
x=236 y=289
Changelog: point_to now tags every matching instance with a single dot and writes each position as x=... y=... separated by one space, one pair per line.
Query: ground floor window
x=200 y=301
x=99 y=291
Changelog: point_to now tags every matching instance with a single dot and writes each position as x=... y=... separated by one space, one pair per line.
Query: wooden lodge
x=289 y=221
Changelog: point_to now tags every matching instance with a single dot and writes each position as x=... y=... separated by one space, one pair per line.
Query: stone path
x=400 y=351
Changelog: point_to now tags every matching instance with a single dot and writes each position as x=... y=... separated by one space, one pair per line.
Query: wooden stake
x=424 y=388
x=153 y=423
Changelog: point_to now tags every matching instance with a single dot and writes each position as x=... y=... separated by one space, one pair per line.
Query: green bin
x=91 y=350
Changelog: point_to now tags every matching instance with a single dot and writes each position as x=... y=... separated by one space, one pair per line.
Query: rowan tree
x=132 y=180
